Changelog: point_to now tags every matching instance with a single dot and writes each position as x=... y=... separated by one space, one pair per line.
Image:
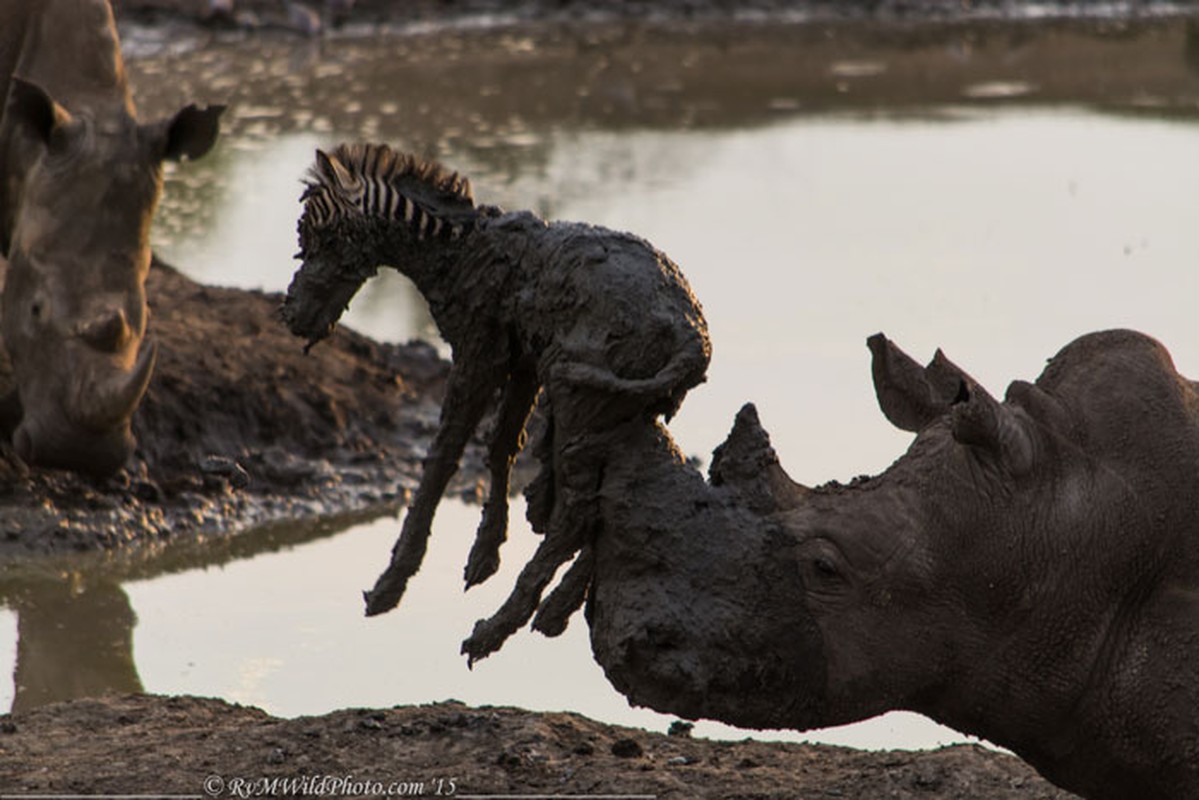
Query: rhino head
x=1027 y=571
x=74 y=304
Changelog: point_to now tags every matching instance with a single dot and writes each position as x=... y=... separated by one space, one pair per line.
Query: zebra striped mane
x=375 y=180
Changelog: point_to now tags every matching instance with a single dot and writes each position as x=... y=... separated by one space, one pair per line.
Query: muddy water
x=995 y=191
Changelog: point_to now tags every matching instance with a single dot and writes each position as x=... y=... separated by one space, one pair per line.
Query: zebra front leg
x=506 y=442
x=469 y=389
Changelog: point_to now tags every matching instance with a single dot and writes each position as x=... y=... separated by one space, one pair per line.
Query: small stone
x=147 y=491
x=227 y=468
x=680 y=761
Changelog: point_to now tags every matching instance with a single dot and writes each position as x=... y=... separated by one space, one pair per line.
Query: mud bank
x=239 y=428
x=210 y=748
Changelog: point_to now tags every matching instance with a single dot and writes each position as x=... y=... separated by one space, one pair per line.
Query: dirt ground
x=148 y=745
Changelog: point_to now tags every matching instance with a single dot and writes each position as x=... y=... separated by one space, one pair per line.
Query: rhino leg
x=520 y=394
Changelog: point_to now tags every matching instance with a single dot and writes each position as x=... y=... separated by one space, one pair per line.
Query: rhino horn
x=982 y=422
x=747 y=465
x=115 y=399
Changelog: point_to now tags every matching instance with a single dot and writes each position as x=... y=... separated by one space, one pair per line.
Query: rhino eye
x=36 y=310
x=822 y=575
x=824 y=567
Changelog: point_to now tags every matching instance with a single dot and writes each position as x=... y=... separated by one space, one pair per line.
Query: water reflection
x=75 y=622
x=954 y=186
x=74 y=639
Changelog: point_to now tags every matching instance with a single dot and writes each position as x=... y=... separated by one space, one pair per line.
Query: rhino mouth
x=97 y=455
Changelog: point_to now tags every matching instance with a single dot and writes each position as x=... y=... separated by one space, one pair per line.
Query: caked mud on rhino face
x=74 y=304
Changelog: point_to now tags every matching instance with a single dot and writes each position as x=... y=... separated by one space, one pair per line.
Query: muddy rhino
x=79 y=181
x=1027 y=572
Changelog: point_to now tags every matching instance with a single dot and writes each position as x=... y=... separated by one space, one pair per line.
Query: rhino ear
x=31 y=107
x=912 y=396
x=946 y=378
x=190 y=133
x=982 y=422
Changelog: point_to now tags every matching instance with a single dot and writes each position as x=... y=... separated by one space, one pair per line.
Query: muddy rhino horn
x=912 y=396
x=747 y=465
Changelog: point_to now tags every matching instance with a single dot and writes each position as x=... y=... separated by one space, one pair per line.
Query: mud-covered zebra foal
x=601 y=321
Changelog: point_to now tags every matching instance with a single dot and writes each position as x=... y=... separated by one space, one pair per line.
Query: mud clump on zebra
x=598 y=323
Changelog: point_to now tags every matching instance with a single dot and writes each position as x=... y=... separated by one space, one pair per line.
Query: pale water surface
x=996 y=232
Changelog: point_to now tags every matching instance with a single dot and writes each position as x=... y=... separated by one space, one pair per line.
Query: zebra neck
x=423 y=222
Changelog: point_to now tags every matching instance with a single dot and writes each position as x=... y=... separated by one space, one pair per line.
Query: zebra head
x=366 y=205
